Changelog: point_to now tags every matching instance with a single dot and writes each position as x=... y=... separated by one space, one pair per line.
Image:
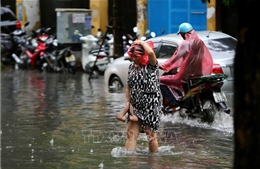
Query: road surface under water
x=51 y=120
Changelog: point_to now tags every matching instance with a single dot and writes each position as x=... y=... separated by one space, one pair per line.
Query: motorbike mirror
x=129 y=36
x=153 y=34
x=48 y=29
x=163 y=31
x=26 y=23
x=135 y=29
x=130 y=41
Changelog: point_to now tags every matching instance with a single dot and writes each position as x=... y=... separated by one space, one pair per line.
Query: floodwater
x=64 y=121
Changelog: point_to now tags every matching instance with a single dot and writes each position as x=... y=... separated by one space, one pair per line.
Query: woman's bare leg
x=132 y=132
x=152 y=140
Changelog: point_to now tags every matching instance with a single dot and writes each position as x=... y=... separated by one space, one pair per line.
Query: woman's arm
x=148 y=50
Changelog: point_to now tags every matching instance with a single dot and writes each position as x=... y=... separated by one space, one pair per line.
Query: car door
x=8 y=20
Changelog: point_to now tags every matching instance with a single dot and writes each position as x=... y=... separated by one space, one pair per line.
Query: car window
x=221 y=45
x=166 y=50
x=156 y=46
x=7 y=15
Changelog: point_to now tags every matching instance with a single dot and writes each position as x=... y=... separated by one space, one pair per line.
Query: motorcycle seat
x=190 y=82
x=30 y=47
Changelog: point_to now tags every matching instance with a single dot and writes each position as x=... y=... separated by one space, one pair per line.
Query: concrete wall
x=211 y=15
x=99 y=15
x=29 y=10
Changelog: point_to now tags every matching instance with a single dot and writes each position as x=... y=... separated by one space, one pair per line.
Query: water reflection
x=66 y=121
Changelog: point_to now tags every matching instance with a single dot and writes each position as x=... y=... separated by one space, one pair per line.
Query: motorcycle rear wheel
x=209 y=111
x=72 y=70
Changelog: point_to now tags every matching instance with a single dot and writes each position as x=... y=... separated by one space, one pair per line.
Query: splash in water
x=162 y=150
x=222 y=122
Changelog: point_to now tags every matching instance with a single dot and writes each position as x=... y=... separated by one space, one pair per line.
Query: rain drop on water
x=101 y=165
x=52 y=141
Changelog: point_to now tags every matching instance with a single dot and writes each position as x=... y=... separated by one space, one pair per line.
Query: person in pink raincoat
x=192 y=57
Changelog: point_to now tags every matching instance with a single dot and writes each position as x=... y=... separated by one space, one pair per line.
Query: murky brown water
x=64 y=121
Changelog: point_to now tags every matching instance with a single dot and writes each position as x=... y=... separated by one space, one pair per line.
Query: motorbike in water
x=34 y=55
x=201 y=98
x=65 y=59
x=42 y=33
x=95 y=55
x=10 y=50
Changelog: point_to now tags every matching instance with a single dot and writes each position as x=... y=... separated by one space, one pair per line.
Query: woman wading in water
x=143 y=96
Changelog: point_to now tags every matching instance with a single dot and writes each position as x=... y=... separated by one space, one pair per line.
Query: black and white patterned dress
x=145 y=94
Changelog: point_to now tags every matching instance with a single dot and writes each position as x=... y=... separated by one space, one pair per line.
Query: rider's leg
x=167 y=94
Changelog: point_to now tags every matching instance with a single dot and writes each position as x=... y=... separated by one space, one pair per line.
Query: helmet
x=184 y=28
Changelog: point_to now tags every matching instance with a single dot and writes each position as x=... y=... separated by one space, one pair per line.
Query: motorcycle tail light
x=68 y=53
x=41 y=53
x=100 y=57
x=18 y=25
x=217 y=69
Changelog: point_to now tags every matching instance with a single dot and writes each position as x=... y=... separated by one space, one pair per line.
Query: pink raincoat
x=192 y=57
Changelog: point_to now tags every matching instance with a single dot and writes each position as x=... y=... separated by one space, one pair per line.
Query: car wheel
x=115 y=83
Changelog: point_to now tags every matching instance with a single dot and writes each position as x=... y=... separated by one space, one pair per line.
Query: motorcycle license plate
x=219 y=97
x=71 y=58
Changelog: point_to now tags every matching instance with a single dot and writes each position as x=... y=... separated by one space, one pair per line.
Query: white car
x=221 y=46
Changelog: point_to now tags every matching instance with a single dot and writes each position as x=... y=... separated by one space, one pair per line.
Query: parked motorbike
x=41 y=33
x=9 y=46
x=94 y=55
x=34 y=55
x=202 y=98
x=65 y=59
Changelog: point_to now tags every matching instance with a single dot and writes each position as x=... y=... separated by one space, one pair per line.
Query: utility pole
x=118 y=28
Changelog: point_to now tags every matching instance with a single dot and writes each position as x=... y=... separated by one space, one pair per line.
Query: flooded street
x=64 y=121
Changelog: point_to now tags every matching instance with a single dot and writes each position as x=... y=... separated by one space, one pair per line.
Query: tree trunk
x=247 y=87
